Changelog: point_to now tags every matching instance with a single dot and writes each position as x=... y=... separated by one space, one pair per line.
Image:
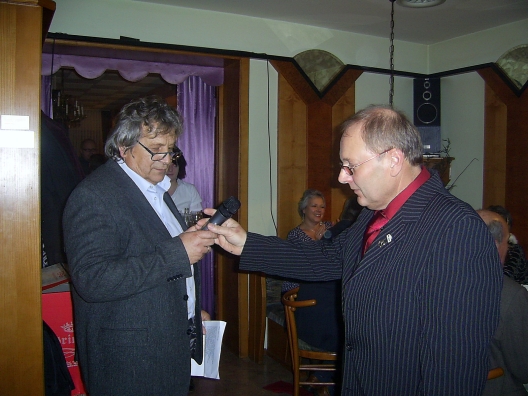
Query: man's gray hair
x=497 y=230
x=150 y=116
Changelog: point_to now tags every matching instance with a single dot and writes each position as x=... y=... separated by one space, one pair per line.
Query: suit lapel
x=399 y=228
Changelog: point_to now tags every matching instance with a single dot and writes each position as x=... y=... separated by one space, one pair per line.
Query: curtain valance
x=131 y=70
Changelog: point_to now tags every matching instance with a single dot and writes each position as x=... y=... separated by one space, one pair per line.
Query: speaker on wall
x=427 y=113
x=427 y=102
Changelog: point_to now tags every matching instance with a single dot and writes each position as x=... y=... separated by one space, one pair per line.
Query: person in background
x=321 y=325
x=88 y=148
x=516 y=265
x=311 y=209
x=421 y=278
x=509 y=347
x=185 y=195
x=136 y=292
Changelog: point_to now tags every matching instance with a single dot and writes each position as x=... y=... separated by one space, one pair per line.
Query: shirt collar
x=396 y=204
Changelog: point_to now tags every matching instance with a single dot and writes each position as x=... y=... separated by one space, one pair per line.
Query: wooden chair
x=299 y=350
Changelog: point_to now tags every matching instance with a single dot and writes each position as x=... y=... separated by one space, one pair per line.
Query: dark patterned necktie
x=191 y=332
x=376 y=224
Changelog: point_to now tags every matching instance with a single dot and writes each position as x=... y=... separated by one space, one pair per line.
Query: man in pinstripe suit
x=421 y=294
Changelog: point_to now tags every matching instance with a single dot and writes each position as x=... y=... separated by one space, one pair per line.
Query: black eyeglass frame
x=173 y=154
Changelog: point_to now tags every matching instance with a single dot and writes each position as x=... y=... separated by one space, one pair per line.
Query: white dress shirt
x=154 y=194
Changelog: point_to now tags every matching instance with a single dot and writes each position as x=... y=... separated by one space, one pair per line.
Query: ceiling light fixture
x=419 y=3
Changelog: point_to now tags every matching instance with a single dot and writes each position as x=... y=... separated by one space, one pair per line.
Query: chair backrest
x=298 y=347
x=290 y=305
x=303 y=351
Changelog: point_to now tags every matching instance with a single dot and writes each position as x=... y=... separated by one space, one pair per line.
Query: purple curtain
x=197 y=104
x=131 y=70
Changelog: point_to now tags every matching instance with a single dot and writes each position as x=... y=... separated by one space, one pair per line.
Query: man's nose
x=343 y=177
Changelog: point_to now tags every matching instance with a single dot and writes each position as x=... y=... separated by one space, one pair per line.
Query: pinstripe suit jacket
x=421 y=306
x=129 y=291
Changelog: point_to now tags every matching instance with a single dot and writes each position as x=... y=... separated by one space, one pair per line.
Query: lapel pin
x=387 y=239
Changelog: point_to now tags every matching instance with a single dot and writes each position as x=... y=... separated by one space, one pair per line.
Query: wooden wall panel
x=344 y=108
x=21 y=347
x=514 y=188
x=291 y=154
x=319 y=151
x=495 y=133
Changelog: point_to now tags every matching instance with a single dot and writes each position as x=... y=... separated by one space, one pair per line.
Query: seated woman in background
x=311 y=208
x=321 y=325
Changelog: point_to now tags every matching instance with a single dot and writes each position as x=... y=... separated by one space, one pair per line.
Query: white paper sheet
x=214 y=332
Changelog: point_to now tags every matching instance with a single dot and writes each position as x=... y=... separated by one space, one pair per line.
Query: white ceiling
x=372 y=17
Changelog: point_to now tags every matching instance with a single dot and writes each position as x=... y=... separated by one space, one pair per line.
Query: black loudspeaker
x=427 y=113
x=427 y=102
x=431 y=139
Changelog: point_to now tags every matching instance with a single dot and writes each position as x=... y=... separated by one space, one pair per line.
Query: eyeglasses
x=349 y=170
x=160 y=156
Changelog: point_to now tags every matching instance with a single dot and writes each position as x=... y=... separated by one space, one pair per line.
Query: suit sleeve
x=293 y=259
x=114 y=252
x=461 y=290
x=514 y=344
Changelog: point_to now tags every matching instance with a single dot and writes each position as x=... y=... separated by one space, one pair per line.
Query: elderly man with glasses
x=421 y=278
x=130 y=256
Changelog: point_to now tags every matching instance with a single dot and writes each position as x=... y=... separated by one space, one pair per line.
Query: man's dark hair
x=182 y=164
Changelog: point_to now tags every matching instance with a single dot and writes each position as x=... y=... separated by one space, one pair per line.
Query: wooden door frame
x=22 y=27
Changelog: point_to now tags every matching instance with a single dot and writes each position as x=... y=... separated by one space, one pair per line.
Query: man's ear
x=396 y=161
x=122 y=151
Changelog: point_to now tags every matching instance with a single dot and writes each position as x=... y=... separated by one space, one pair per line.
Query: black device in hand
x=337 y=229
x=226 y=209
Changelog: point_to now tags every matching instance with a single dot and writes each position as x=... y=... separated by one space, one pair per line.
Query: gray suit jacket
x=509 y=348
x=420 y=307
x=129 y=291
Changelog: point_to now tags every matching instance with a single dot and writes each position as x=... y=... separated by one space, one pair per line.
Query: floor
x=241 y=376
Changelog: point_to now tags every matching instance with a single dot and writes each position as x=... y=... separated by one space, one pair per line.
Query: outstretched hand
x=231 y=235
